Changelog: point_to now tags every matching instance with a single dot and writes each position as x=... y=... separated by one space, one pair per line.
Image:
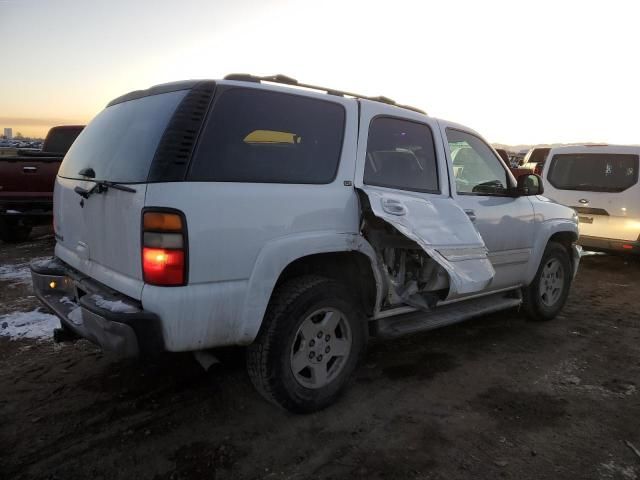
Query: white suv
x=600 y=182
x=296 y=221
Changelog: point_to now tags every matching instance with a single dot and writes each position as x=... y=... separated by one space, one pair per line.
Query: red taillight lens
x=162 y=266
x=164 y=249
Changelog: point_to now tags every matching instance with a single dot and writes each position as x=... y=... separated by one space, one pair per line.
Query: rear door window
x=120 y=142
x=595 y=172
x=401 y=154
x=270 y=137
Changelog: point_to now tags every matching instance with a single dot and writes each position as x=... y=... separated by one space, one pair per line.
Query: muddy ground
x=495 y=397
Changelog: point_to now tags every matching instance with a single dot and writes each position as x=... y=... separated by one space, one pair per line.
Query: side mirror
x=529 y=184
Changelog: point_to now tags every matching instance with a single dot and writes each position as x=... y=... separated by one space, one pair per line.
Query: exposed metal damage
x=425 y=257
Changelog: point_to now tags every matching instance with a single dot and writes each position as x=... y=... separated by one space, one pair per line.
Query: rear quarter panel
x=241 y=237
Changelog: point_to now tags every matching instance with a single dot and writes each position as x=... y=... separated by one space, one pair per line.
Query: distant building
x=8 y=133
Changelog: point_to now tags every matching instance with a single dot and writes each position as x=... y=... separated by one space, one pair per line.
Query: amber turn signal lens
x=162 y=222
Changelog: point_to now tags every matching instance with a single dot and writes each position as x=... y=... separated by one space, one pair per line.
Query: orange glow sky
x=518 y=72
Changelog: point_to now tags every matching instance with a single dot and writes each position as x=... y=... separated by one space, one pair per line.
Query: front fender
x=546 y=230
x=276 y=255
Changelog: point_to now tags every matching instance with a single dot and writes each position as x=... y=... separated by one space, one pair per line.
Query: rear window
x=595 y=172
x=269 y=137
x=120 y=142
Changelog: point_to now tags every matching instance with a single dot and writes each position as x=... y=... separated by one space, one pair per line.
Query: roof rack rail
x=285 y=80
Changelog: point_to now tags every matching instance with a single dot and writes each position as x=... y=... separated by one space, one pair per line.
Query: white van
x=600 y=182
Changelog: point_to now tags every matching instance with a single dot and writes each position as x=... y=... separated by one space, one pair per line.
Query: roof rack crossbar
x=285 y=80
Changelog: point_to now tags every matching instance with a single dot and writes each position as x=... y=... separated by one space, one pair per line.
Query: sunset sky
x=518 y=72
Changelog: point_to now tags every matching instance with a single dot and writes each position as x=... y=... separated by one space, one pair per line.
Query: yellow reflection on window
x=271 y=136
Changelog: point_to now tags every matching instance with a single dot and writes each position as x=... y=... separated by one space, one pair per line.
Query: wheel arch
x=564 y=232
x=346 y=257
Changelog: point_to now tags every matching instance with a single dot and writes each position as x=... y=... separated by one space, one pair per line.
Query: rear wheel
x=546 y=295
x=12 y=231
x=310 y=343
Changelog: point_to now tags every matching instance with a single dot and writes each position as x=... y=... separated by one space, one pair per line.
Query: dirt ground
x=495 y=397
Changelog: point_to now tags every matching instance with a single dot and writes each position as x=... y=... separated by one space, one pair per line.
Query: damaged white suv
x=296 y=221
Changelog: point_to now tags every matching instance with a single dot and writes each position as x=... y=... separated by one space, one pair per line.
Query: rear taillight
x=164 y=248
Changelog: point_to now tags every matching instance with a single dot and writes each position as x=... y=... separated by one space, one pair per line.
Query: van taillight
x=164 y=248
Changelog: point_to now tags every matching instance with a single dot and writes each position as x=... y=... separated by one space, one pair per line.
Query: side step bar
x=421 y=321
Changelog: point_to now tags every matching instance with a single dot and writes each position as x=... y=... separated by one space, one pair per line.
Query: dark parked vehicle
x=504 y=155
x=26 y=183
x=535 y=158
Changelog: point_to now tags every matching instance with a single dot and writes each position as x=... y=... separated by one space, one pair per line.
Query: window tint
x=401 y=154
x=476 y=168
x=270 y=137
x=594 y=172
x=120 y=142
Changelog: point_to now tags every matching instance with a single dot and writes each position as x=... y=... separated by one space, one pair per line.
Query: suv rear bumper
x=609 y=244
x=93 y=311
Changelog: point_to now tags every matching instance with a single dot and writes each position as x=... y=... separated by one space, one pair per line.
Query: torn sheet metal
x=444 y=232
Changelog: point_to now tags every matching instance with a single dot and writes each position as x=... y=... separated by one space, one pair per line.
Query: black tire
x=534 y=306
x=12 y=231
x=269 y=357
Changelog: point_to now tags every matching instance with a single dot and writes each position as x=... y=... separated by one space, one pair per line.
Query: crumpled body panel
x=443 y=231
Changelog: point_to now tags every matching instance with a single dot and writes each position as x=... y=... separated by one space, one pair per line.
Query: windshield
x=596 y=172
x=120 y=142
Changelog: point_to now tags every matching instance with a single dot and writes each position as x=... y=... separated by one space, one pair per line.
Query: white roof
x=623 y=149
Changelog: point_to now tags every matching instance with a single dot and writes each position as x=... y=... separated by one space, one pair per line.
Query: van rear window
x=120 y=142
x=594 y=172
x=259 y=136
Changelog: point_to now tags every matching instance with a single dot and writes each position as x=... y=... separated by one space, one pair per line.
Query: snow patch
x=116 y=307
x=67 y=301
x=611 y=470
x=18 y=273
x=34 y=324
x=76 y=316
x=41 y=262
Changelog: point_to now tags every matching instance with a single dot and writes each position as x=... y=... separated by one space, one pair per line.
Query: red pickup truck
x=26 y=184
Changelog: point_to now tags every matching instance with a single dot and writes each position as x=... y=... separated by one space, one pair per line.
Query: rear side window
x=120 y=142
x=594 y=172
x=270 y=137
x=401 y=154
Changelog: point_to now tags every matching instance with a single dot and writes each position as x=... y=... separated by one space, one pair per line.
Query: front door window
x=476 y=167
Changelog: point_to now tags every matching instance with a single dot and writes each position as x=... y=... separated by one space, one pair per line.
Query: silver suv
x=296 y=221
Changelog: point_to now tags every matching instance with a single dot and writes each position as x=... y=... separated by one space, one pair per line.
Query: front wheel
x=546 y=295
x=310 y=343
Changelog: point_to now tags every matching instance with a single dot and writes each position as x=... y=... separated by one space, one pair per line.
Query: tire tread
x=258 y=351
